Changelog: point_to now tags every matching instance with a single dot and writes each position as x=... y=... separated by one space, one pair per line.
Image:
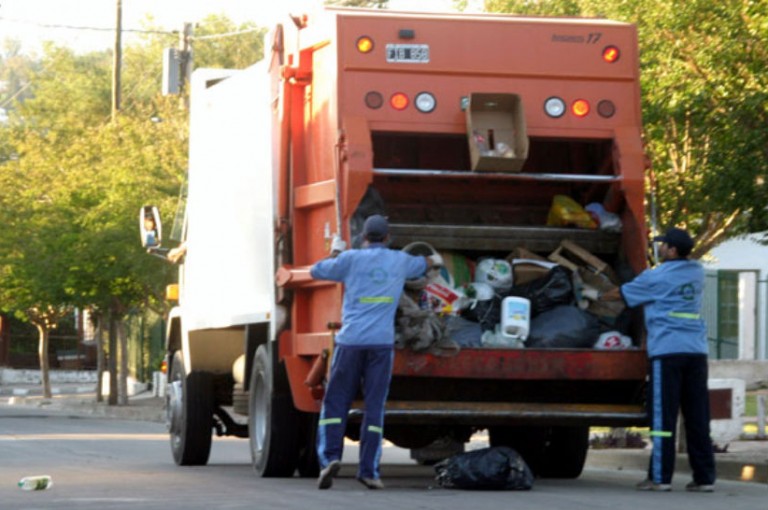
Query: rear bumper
x=505 y=413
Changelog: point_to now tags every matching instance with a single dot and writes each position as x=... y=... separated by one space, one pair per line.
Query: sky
x=34 y=21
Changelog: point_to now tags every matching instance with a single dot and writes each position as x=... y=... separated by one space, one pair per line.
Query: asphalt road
x=109 y=464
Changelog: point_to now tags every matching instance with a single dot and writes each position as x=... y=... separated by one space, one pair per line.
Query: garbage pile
x=521 y=301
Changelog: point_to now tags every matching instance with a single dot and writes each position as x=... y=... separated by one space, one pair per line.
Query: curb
x=740 y=467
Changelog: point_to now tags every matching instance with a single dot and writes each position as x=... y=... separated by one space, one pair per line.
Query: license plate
x=408 y=53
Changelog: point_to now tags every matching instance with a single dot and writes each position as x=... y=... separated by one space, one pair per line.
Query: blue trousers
x=353 y=368
x=679 y=383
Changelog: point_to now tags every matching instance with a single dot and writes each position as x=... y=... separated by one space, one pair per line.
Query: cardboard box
x=494 y=119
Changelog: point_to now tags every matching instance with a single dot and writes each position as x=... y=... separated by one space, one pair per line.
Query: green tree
x=705 y=97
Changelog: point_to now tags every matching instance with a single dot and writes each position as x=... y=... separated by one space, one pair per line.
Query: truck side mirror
x=150 y=227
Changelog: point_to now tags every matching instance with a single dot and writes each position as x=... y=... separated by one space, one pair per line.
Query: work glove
x=338 y=245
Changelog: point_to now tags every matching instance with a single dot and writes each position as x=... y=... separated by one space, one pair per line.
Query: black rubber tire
x=309 y=463
x=272 y=423
x=528 y=441
x=565 y=452
x=190 y=414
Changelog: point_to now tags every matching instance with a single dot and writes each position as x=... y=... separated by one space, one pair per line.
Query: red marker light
x=580 y=107
x=399 y=101
x=611 y=54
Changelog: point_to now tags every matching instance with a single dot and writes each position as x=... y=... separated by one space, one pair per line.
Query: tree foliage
x=705 y=105
x=72 y=179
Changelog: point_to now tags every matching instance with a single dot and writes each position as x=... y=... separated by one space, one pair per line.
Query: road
x=110 y=464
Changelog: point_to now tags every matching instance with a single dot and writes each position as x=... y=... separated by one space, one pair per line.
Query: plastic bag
x=608 y=221
x=554 y=289
x=613 y=340
x=564 y=327
x=494 y=468
x=566 y=212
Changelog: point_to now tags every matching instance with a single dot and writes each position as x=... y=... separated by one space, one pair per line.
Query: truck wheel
x=529 y=442
x=272 y=423
x=565 y=452
x=189 y=411
x=309 y=464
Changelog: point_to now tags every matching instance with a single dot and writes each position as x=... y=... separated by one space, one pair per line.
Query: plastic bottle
x=515 y=317
x=35 y=483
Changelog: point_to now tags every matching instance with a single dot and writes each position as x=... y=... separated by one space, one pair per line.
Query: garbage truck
x=462 y=130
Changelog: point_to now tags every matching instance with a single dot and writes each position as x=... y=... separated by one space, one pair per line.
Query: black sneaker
x=696 y=487
x=325 y=480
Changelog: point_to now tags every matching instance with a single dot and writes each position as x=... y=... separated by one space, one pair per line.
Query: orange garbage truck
x=466 y=131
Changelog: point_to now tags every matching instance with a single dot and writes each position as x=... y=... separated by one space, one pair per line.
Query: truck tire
x=309 y=464
x=529 y=442
x=272 y=423
x=565 y=452
x=190 y=414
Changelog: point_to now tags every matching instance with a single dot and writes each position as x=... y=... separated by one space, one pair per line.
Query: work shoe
x=648 y=485
x=695 y=487
x=372 y=483
x=325 y=480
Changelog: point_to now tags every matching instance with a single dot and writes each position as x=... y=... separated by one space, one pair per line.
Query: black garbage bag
x=487 y=313
x=564 y=327
x=553 y=289
x=494 y=468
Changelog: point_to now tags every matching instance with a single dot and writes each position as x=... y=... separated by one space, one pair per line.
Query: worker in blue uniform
x=363 y=354
x=670 y=294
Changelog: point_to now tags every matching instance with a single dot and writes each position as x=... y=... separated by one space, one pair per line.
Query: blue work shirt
x=373 y=279
x=671 y=296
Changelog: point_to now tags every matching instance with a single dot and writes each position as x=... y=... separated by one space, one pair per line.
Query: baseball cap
x=376 y=228
x=677 y=238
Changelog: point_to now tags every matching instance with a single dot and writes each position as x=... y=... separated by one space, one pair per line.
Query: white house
x=747 y=256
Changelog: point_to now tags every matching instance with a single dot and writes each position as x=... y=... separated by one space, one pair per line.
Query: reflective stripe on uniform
x=374 y=428
x=684 y=315
x=330 y=421
x=660 y=433
x=377 y=299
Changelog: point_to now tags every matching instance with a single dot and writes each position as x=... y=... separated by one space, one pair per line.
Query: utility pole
x=185 y=61
x=117 y=60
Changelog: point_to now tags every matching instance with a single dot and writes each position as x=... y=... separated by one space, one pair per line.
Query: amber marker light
x=611 y=54
x=374 y=100
x=399 y=101
x=364 y=44
x=580 y=107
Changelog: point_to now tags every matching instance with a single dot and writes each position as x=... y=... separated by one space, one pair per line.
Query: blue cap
x=677 y=238
x=376 y=228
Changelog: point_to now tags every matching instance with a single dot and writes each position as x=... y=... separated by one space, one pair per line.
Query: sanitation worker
x=373 y=279
x=670 y=295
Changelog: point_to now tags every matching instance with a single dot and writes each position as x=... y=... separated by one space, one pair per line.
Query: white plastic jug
x=515 y=317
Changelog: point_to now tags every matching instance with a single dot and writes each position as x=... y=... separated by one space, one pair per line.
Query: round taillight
x=606 y=108
x=364 y=44
x=580 y=107
x=554 y=107
x=399 y=101
x=425 y=102
x=611 y=54
x=374 y=100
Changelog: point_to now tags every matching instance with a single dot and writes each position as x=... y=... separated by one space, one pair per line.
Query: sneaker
x=648 y=485
x=695 y=487
x=325 y=480
x=372 y=483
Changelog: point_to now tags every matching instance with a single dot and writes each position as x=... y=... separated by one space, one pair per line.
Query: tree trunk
x=123 y=373
x=112 y=359
x=100 y=360
x=42 y=350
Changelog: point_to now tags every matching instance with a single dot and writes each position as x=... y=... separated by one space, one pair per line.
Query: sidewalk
x=745 y=460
